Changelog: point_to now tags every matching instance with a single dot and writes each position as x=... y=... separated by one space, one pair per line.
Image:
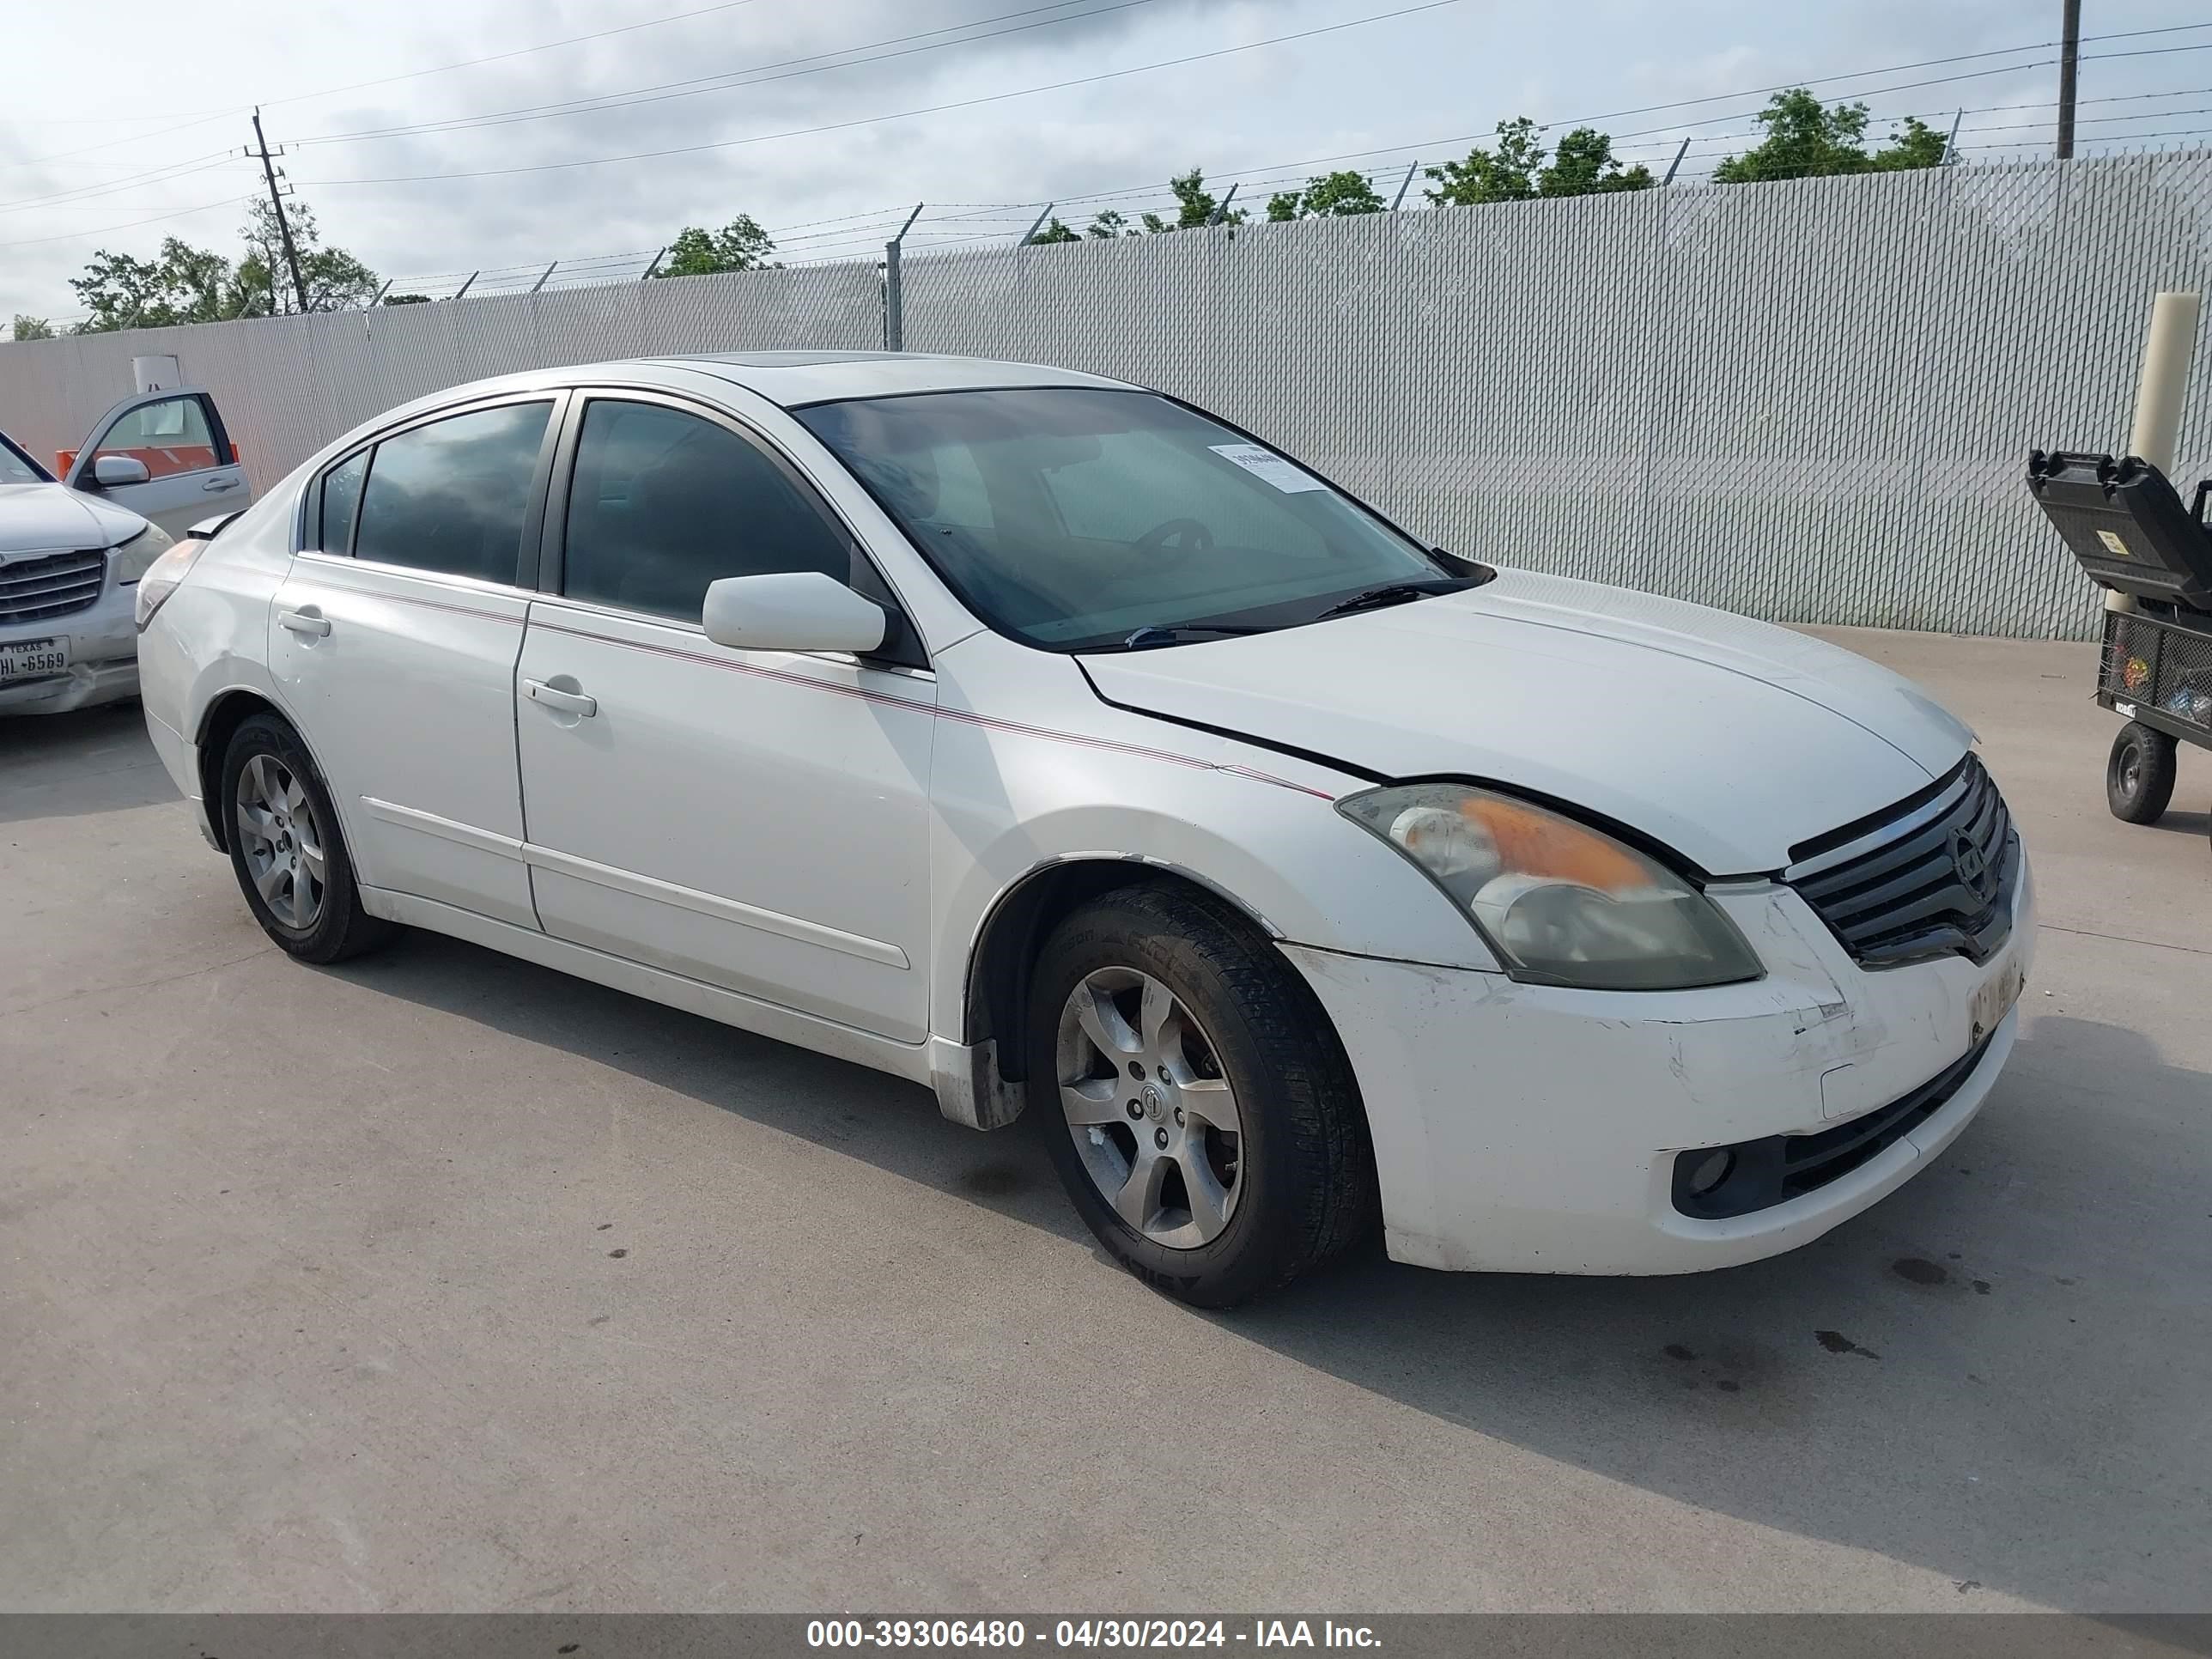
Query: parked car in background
x=1045 y=740
x=72 y=551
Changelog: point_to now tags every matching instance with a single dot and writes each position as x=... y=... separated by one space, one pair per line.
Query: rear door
x=394 y=640
x=191 y=468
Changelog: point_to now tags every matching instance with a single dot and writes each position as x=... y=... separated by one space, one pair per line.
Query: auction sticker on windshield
x=1265 y=464
x=27 y=660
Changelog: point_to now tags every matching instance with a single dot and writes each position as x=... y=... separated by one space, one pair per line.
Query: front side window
x=452 y=497
x=663 y=502
x=170 y=436
x=1072 y=517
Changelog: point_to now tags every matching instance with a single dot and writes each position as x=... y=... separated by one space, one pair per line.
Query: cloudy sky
x=817 y=117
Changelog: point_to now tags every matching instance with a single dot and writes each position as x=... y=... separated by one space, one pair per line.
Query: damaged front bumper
x=1535 y=1129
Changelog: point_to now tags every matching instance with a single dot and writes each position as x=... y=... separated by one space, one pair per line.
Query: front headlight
x=132 y=557
x=1560 y=903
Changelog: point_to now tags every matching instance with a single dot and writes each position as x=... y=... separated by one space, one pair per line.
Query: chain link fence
x=1808 y=401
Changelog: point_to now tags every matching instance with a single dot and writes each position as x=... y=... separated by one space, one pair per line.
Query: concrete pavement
x=440 y=1281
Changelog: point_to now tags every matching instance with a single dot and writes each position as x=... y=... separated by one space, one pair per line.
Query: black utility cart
x=2132 y=535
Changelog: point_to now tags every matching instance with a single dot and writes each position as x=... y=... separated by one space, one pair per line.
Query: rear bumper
x=180 y=759
x=1527 y=1128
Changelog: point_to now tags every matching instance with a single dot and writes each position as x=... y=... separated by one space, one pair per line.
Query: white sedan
x=1050 y=742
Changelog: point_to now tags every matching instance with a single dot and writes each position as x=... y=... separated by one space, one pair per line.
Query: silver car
x=72 y=550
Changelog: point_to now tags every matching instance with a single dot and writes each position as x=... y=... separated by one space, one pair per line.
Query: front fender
x=1077 y=780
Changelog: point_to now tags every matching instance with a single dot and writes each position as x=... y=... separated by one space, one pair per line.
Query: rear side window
x=663 y=503
x=452 y=497
x=341 y=500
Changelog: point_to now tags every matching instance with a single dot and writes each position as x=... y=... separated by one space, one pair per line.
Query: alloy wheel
x=1154 y=1118
x=282 y=841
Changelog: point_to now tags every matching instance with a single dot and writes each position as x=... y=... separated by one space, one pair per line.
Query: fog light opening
x=1711 y=1171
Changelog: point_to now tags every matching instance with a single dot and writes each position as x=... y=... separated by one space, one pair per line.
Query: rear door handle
x=305 y=620
x=569 y=703
x=214 y=484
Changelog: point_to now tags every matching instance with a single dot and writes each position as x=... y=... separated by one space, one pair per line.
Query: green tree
x=1055 y=231
x=407 y=299
x=1329 y=196
x=1507 y=173
x=741 y=244
x=1194 y=205
x=1583 y=165
x=335 y=279
x=1805 y=139
x=1519 y=169
x=32 y=328
x=1919 y=145
x=1107 y=224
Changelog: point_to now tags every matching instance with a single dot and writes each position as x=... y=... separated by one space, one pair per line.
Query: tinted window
x=1072 y=518
x=663 y=502
x=451 y=496
x=341 y=496
x=170 y=436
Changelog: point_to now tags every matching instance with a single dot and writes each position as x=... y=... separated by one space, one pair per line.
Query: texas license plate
x=1993 y=997
x=30 y=660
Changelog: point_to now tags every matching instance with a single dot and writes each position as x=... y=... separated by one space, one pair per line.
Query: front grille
x=1760 y=1173
x=1931 y=877
x=34 y=590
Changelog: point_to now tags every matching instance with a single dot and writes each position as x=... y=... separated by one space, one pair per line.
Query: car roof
x=793 y=379
x=790 y=378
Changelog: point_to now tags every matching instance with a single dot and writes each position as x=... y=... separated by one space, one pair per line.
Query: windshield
x=16 y=467
x=1074 y=518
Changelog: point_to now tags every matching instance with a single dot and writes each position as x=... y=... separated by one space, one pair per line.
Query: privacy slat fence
x=1807 y=401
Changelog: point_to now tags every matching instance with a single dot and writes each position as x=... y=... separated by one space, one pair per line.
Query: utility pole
x=2070 y=58
x=283 y=224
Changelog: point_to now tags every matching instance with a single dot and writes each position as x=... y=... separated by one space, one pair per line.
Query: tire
x=2139 y=774
x=1227 y=1215
x=315 y=918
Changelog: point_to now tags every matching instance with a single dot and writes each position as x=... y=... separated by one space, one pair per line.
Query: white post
x=2158 y=394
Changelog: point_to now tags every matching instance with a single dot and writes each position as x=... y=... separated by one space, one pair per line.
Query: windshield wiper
x=1154 y=634
x=1398 y=593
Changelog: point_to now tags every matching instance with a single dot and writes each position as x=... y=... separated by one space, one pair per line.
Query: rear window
x=452 y=497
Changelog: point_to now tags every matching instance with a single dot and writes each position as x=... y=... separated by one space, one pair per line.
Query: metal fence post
x=654 y=266
x=1405 y=184
x=1031 y=234
x=894 y=302
x=542 y=275
x=1673 y=165
x=465 y=286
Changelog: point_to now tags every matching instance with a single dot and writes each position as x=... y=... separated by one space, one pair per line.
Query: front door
x=192 y=471
x=394 y=640
x=756 y=819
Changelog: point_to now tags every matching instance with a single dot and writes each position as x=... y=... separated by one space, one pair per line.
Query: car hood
x=1728 y=740
x=45 y=518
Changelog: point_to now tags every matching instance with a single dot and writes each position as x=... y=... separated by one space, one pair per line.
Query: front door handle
x=214 y=484
x=305 y=620
x=568 y=703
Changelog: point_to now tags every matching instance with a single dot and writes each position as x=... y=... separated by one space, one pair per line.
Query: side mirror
x=792 y=611
x=110 y=470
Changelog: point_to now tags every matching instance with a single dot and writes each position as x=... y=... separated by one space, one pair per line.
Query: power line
x=161 y=175
x=518 y=51
x=901 y=115
x=662 y=93
x=87 y=235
